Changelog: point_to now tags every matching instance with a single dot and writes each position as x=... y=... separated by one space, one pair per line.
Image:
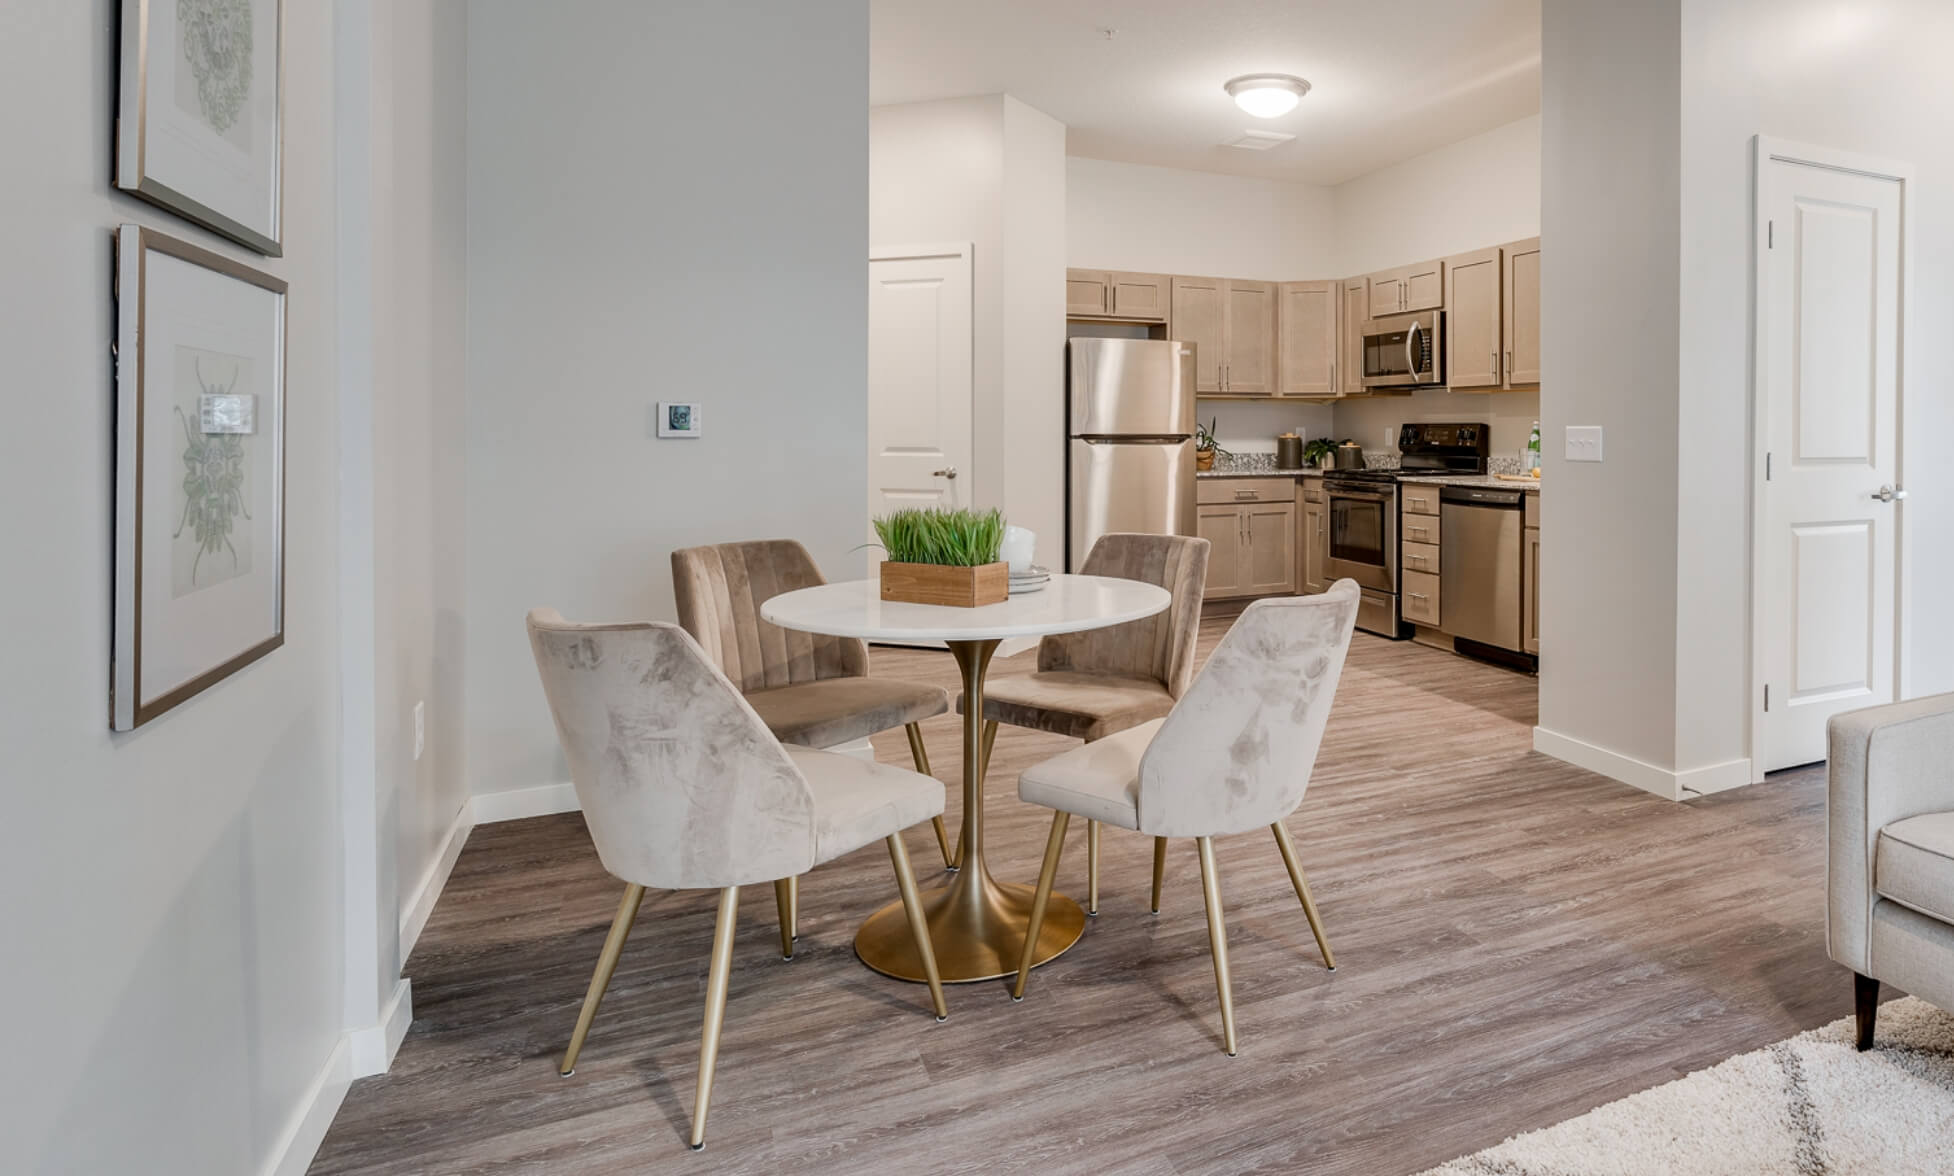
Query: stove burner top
x=1375 y=475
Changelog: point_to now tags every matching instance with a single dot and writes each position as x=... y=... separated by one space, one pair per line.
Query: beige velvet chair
x=1097 y=683
x=1235 y=754
x=1889 y=876
x=683 y=787
x=810 y=690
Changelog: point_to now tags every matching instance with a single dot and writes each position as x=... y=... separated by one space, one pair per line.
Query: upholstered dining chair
x=1094 y=684
x=683 y=787
x=810 y=690
x=1235 y=754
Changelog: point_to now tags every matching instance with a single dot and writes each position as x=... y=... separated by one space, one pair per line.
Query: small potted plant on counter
x=1205 y=446
x=1319 y=452
x=940 y=556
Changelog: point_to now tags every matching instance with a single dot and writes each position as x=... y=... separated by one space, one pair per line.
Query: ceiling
x=1389 y=80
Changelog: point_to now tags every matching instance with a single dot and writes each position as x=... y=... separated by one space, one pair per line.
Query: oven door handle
x=1359 y=495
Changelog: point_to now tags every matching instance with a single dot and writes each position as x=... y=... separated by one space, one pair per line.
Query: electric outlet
x=420 y=728
x=1584 y=442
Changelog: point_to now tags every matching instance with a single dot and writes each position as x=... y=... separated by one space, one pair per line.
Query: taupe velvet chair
x=683 y=787
x=1889 y=875
x=1234 y=755
x=810 y=690
x=1098 y=683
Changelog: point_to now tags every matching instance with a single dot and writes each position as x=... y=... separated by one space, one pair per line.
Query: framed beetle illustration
x=199 y=471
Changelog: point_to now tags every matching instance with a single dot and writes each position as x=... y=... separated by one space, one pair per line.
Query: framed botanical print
x=198 y=117
x=199 y=471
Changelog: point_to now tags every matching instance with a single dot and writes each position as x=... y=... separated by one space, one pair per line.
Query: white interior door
x=919 y=380
x=1828 y=520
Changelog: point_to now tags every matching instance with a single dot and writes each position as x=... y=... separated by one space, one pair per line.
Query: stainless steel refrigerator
x=1130 y=460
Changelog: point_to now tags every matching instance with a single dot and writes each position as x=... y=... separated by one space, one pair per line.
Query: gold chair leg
x=786 y=896
x=1159 y=869
x=1054 y=847
x=983 y=770
x=912 y=905
x=1301 y=884
x=722 y=966
x=921 y=755
x=627 y=913
x=1218 y=942
x=1092 y=868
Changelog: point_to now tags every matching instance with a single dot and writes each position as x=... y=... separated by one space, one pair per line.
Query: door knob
x=950 y=473
x=1890 y=494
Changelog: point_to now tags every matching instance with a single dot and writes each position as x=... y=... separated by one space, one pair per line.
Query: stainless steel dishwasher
x=1479 y=578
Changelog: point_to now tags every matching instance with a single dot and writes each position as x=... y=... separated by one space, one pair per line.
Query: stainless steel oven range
x=1362 y=508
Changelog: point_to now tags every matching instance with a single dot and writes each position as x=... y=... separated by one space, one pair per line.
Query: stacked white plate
x=1031 y=579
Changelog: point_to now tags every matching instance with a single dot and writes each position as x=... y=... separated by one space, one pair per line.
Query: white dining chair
x=683 y=787
x=1235 y=754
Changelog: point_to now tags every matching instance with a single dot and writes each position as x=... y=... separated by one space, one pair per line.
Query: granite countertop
x=1531 y=486
x=1270 y=472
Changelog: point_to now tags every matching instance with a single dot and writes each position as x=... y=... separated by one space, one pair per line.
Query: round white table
x=977 y=924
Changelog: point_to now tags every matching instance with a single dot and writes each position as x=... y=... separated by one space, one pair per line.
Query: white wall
x=173 y=914
x=1610 y=191
x=990 y=171
x=624 y=247
x=1870 y=77
x=1466 y=195
x=1165 y=220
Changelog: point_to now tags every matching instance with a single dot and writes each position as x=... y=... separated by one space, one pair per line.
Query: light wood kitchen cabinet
x=1356 y=308
x=1117 y=294
x=1386 y=293
x=1521 y=313
x=1199 y=318
x=1315 y=538
x=1408 y=288
x=1221 y=526
x=1306 y=330
x=1473 y=340
x=1418 y=598
x=1530 y=578
x=1271 y=562
x=1249 y=340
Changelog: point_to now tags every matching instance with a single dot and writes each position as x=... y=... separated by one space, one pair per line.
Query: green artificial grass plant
x=952 y=538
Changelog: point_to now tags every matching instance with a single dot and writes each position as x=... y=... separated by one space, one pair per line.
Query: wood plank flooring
x=1517 y=941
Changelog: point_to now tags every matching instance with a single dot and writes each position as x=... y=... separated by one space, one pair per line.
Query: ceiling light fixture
x=1267 y=95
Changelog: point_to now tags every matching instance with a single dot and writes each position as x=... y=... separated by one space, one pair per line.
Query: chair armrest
x=1886 y=763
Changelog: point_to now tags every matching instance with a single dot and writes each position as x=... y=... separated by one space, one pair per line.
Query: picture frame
x=679 y=419
x=199 y=472
x=199 y=119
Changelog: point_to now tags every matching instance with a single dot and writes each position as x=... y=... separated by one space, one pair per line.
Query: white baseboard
x=295 y=1149
x=371 y=1050
x=517 y=803
x=414 y=918
x=1664 y=782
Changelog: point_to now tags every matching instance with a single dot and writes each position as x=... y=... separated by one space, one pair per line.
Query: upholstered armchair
x=683 y=787
x=1234 y=755
x=1103 y=681
x=810 y=690
x=1889 y=875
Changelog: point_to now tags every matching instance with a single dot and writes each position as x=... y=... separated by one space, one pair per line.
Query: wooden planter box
x=937 y=584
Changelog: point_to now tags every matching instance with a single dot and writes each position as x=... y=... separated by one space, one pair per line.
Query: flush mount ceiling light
x=1267 y=95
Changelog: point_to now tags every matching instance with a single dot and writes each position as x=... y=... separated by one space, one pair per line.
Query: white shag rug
x=1810 y=1106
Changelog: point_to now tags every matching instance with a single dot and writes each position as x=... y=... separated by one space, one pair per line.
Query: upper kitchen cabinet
x=1473 y=338
x=1522 y=313
x=1408 y=288
x=1199 y=317
x=1232 y=325
x=1116 y=295
x=1306 y=334
x=1356 y=308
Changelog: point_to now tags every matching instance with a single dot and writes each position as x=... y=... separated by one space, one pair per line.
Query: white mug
x=1017 y=547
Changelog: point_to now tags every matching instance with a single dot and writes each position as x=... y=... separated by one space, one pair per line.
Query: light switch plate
x=1584 y=442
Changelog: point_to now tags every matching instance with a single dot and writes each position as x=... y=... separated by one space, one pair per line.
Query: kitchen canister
x=1289 y=452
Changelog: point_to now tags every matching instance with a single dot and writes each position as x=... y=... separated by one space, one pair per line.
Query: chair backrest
x=1161 y=646
x=681 y=784
x=1236 y=751
x=720 y=589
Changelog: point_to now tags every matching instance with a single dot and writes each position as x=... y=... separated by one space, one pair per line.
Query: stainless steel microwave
x=1405 y=350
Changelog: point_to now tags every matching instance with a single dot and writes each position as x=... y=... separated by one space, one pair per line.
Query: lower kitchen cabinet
x=1253 y=550
x=1530 y=578
x=1315 y=538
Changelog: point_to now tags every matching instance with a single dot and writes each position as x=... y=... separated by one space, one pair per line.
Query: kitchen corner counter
x=1485 y=481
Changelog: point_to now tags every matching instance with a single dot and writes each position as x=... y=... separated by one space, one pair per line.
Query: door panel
x=1307 y=326
x=1829 y=345
x=1350 y=356
x=1424 y=286
x=1221 y=526
x=1521 y=313
x=1087 y=292
x=1472 y=330
x=1250 y=337
x=1271 y=548
x=1132 y=387
x=1140 y=296
x=1146 y=487
x=919 y=323
x=1198 y=315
